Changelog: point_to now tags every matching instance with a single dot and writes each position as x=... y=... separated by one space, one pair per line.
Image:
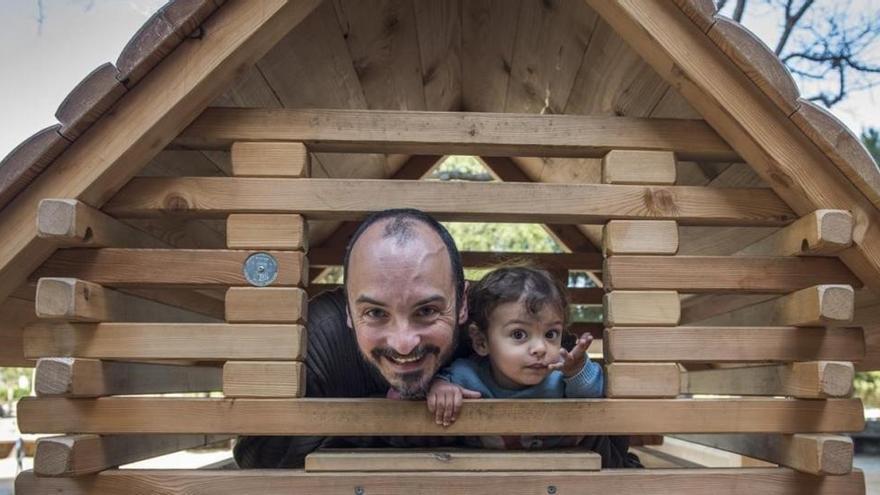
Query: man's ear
x=348 y=316
x=478 y=341
x=463 y=309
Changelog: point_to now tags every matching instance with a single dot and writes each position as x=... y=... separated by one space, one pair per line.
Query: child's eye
x=552 y=334
x=518 y=334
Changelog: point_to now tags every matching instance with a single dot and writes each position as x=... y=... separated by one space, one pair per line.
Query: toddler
x=516 y=319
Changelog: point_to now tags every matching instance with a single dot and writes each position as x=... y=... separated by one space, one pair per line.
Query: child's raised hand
x=445 y=399
x=572 y=362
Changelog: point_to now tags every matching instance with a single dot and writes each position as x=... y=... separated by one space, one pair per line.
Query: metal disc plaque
x=260 y=269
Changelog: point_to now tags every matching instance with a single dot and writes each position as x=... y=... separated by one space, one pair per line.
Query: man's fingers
x=470 y=394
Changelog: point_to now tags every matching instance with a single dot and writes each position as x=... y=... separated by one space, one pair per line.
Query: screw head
x=358 y=490
x=551 y=490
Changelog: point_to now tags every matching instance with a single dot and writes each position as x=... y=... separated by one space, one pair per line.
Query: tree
x=871 y=138
x=827 y=45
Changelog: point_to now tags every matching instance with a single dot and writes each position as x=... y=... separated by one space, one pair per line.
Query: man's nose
x=404 y=339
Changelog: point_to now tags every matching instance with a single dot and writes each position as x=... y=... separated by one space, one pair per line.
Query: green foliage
x=15 y=383
x=867 y=388
x=871 y=138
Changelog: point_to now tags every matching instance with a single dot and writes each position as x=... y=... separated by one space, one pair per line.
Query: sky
x=43 y=59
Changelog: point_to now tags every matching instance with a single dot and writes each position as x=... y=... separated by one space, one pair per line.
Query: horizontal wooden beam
x=655 y=308
x=258 y=231
x=640 y=237
x=733 y=344
x=70 y=222
x=724 y=273
x=576 y=295
x=821 y=233
x=72 y=299
x=353 y=199
x=266 y=305
x=195 y=341
x=397 y=460
x=77 y=455
x=76 y=377
x=454 y=133
x=264 y=379
x=320 y=257
x=628 y=380
x=278 y=159
x=757 y=481
x=814 y=454
x=179 y=267
x=357 y=417
x=806 y=380
x=638 y=167
x=819 y=305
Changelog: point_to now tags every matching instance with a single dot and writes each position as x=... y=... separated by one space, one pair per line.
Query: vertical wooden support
x=658 y=237
x=642 y=380
x=267 y=159
x=637 y=308
x=639 y=167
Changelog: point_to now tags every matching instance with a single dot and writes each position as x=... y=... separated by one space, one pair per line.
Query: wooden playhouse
x=160 y=239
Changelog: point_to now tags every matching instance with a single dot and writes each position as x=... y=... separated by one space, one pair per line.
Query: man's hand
x=444 y=400
x=571 y=363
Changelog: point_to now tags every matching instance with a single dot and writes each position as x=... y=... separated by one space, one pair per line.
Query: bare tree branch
x=790 y=22
x=739 y=10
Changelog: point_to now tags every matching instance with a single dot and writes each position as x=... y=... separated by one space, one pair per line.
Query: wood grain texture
x=89 y=100
x=639 y=167
x=264 y=379
x=195 y=341
x=489 y=29
x=481 y=259
x=180 y=267
x=733 y=344
x=701 y=12
x=256 y=231
x=643 y=380
x=470 y=133
x=266 y=305
x=478 y=417
x=75 y=377
x=284 y=159
x=821 y=233
x=820 y=305
x=756 y=481
x=17 y=313
x=805 y=380
x=723 y=273
x=440 y=37
x=69 y=222
x=28 y=160
x=394 y=460
x=640 y=237
x=639 y=308
x=463 y=201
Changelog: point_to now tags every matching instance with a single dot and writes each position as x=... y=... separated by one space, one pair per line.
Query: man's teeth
x=404 y=360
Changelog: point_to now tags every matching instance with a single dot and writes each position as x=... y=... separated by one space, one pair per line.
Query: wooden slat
x=642 y=380
x=819 y=305
x=723 y=273
x=814 y=454
x=397 y=460
x=270 y=160
x=808 y=380
x=638 y=167
x=656 y=308
x=77 y=300
x=197 y=341
x=640 y=237
x=266 y=305
x=104 y=158
x=477 y=259
x=348 y=417
x=256 y=231
x=821 y=233
x=349 y=199
x=264 y=379
x=77 y=455
x=733 y=344
x=74 y=377
x=17 y=313
x=179 y=267
x=459 y=133
x=755 y=481
x=73 y=223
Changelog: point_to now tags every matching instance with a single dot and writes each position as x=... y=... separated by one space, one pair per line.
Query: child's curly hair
x=535 y=287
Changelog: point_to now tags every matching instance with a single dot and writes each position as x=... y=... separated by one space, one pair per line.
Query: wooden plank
x=723 y=273
x=78 y=455
x=439 y=35
x=489 y=29
x=640 y=237
x=70 y=222
x=73 y=377
x=755 y=481
x=103 y=159
x=463 y=133
x=180 y=267
x=733 y=344
x=17 y=313
x=347 y=417
x=256 y=231
x=89 y=100
x=480 y=259
x=821 y=233
x=71 y=299
x=814 y=454
x=639 y=167
x=350 y=199
x=266 y=305
x=398 y=460
x=657 y=308
x=819 y=305
x=642 y=380
x=191 y=300
x=196 y=341
x=279 y=159
x=806 y=380
x=264 y=379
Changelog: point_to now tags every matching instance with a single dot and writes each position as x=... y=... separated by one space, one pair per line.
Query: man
x=387 y=333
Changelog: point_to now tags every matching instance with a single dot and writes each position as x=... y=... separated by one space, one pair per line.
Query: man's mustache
x=419 y=352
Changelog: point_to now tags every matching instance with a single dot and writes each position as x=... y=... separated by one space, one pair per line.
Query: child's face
x=521 y=345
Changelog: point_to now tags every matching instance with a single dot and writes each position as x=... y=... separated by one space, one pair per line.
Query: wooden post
x=270 y=159
x=264 y=379
x=638 y=167
x=70 y=222
x=636 y=308
x=805 y=380
x=642 y=380
x=819 y=305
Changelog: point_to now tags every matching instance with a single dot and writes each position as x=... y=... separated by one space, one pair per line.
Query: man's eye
x=552 y=334
x=518 y=334
x=427 y=312
x=374 y=313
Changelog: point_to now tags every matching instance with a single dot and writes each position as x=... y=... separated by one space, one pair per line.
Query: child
x=516 y=319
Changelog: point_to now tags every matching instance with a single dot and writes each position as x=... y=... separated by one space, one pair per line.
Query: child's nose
x=539 y=348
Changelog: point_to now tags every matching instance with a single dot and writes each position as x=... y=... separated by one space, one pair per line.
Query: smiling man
x=386 y=334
